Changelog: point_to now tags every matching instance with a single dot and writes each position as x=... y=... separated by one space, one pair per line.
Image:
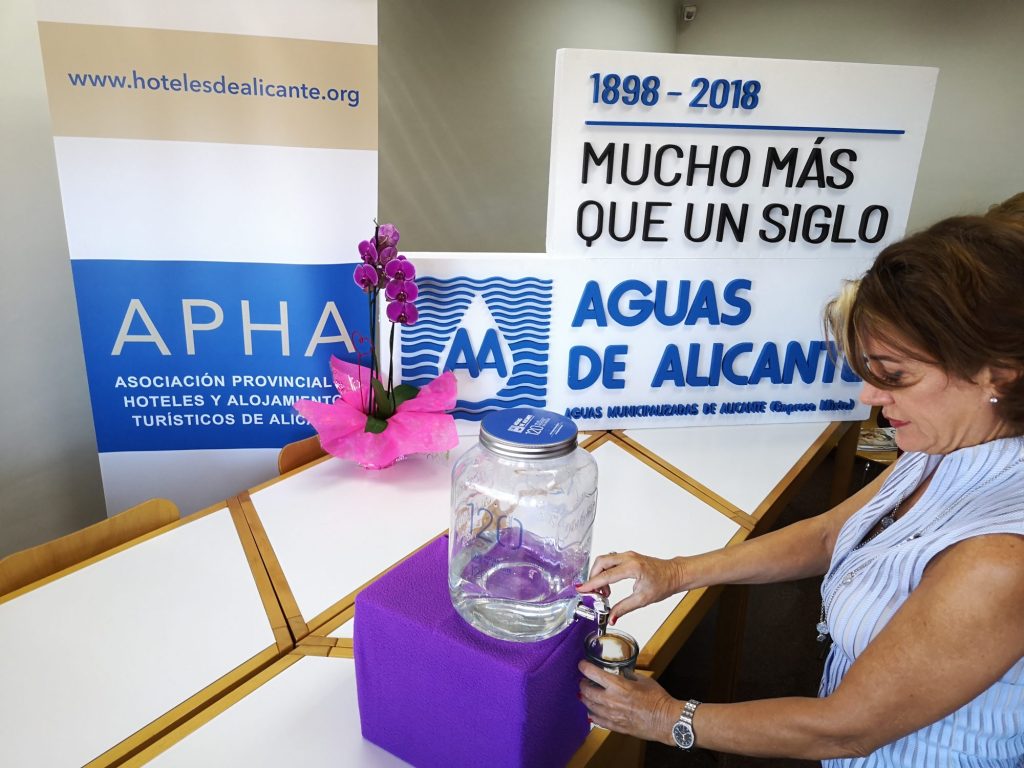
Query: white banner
x=218 y=166
x=640 y=342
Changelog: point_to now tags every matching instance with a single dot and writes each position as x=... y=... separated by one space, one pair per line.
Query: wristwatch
x=682 y=731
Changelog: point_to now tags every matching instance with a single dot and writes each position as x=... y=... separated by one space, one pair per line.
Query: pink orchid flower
x=419 y=425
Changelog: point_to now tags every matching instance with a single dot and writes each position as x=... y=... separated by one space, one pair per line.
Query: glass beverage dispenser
x=523 y=506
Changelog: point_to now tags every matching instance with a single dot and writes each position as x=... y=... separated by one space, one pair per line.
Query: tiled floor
x=780 y=654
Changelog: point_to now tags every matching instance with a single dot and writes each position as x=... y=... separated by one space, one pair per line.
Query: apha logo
x=492 y=333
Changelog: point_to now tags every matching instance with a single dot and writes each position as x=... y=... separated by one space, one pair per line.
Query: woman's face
x=932 y=411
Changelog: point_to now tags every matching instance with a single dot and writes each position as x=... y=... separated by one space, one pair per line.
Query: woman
x=923 y=595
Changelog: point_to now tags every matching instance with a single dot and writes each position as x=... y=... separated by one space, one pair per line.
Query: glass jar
x=523 y=506
x=613 y=650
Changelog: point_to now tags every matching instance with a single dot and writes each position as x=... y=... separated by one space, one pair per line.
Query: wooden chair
x=35 y=563
x=299 y=453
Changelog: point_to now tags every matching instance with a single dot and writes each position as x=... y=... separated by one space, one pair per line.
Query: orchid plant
x=385 y=268
x=373 y=422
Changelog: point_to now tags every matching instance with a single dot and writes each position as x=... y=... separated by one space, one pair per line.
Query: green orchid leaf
x=375 y=425
x=405 y=392
x=384 y=408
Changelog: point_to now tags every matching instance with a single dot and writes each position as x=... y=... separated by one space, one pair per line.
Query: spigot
x=598 y=613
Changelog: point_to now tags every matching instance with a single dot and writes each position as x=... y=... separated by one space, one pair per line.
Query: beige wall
x=49 y=473
x=465 y=125
x=464 y=133
x=973 y=154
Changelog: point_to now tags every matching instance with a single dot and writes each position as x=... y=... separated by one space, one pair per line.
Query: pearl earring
x=994 y=400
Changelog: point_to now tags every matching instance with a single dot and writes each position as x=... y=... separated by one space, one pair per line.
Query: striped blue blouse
x=974 y=491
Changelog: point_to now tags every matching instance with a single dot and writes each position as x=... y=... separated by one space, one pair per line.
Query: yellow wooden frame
x=264 y=585
x=836 y=436
x=28 y=566
x=687 y=483
x=299 y=454
x=317 y=643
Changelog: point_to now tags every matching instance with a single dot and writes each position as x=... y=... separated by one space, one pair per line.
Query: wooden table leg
x=842 y=474
x=607 y=749
x=732 y=620
x=631 y=753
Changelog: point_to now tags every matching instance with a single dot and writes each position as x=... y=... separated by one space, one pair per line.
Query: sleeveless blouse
x=975 y=491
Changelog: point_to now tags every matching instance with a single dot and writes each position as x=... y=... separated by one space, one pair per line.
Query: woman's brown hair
x=952 y=295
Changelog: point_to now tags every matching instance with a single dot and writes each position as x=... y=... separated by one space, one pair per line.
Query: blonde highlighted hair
x=953 y=296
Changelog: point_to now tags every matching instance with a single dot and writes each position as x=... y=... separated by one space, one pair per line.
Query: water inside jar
x=524 y=594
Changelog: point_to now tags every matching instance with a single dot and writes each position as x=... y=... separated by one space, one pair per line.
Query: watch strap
x=685 y=723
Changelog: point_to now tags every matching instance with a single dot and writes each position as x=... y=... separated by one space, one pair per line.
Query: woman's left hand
x=637 y=707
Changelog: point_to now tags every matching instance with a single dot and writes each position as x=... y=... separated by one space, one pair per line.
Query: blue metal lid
x=528 y=433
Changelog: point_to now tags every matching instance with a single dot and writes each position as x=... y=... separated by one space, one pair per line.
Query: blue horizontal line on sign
x=741 y=127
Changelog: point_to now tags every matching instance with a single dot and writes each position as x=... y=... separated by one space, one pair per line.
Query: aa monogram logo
x=493 y=333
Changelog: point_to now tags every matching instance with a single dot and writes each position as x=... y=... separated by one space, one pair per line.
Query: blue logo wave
x=521 y=310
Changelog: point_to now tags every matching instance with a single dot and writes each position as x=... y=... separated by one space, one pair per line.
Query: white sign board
x=669 y=155
x=630 y=342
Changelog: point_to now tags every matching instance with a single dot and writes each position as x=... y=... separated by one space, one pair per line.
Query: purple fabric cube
x=436 y=692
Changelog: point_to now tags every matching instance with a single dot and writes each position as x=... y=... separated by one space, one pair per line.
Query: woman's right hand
x=654 y=579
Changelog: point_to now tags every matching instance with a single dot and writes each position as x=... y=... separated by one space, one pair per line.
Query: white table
x=95 y=656
x=305 y=710
x=747 y=467
x=334 y=527
x=640 y=507
x=300 y=711
x=140 y=640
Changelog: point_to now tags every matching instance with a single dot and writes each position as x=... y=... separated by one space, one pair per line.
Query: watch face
x=683 y=735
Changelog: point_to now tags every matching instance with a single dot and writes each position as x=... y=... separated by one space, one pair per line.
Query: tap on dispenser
x=611 y=649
